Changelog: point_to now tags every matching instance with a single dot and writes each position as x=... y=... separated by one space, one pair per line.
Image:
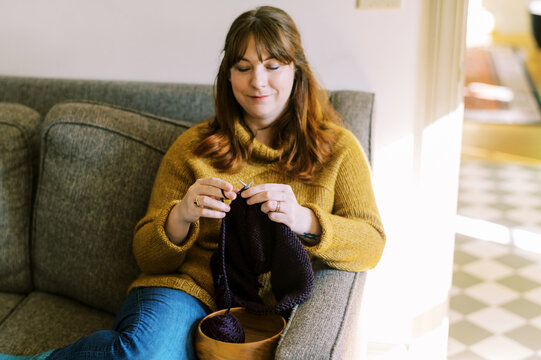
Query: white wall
x=180 y=41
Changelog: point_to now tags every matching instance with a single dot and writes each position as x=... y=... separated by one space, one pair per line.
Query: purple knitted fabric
x=250 y=245
x=225 y=327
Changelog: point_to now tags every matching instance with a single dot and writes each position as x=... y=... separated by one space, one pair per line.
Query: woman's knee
x=167 y=335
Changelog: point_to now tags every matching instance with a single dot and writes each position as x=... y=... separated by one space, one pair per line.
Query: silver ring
x=277 y=206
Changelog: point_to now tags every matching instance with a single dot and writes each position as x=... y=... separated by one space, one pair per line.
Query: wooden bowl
x=261 y=337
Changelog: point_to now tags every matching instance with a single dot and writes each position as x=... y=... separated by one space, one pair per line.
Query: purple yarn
x=251 y=244
x=225 y=327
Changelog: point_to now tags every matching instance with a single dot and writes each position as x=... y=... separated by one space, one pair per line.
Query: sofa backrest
x=97 y=168
x=186 y=102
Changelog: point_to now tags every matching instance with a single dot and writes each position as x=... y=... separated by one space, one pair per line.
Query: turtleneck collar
x=260 y=151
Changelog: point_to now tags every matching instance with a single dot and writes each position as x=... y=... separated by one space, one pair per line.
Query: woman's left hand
x=279 y=202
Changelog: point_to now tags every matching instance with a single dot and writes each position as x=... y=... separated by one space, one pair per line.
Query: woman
x=275 y=127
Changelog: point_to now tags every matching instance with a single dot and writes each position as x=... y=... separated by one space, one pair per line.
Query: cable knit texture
x=340 y=194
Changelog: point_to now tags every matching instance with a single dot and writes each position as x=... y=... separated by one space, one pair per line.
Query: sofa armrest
x=321 y=327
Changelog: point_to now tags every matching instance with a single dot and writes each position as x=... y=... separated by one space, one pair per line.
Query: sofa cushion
x=8 y=302
x=42 y=322
x=19 y=136
x=98 y=164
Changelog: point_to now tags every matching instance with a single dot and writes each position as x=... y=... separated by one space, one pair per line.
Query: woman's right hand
x=203 y=199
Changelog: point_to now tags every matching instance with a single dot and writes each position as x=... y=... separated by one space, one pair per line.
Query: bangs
x=267 y=38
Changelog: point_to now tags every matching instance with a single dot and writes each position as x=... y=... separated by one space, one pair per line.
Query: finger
x=286 y=190
x=260 y=188
x=266 y=196
x=279 y=218
x=209 y=213
x=213 y=191
x=231 y=195
x=220 y=184
x=216 y=182
x=210 y=203
x=272 y=206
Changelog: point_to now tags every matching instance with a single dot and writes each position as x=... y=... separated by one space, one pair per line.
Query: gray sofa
x=77 y=163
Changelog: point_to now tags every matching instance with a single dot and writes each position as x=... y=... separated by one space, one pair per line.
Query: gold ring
x=195 y=202
x=277 y=206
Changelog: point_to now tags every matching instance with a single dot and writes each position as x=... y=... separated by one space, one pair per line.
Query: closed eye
x=242 y=68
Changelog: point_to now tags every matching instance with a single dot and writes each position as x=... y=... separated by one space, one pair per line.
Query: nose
x=259 y=77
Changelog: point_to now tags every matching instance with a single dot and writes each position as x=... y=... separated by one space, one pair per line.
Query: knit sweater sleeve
x=352 y=236
x=154 y=252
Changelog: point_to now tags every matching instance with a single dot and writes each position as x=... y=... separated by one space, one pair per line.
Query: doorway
x=495 y=301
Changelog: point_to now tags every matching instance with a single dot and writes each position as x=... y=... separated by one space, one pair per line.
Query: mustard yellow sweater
x=340 y=194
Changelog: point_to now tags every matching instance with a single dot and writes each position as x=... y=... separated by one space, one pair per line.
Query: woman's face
x=261 y=88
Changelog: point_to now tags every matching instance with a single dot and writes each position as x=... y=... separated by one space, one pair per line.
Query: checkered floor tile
x=495 y=306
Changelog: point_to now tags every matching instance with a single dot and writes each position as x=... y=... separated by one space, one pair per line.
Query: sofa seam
x=30 y=198
x=130 y=137
x=15 y=309
x=176 y=122
x=43 y=151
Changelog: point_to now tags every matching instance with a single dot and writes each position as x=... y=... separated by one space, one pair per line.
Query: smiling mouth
x=260 y=97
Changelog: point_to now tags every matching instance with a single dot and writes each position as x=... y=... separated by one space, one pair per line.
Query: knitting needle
x=246 y=186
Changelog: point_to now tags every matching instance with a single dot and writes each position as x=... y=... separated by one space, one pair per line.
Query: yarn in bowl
x=261 y=334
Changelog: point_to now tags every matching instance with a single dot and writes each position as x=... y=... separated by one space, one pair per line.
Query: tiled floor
x=495 y=306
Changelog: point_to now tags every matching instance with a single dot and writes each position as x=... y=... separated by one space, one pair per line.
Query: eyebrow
x=269 y=58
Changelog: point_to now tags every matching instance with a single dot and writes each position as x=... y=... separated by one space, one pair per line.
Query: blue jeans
x=153 y=323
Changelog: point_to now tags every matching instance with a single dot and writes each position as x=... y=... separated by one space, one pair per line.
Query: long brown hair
x=302 y=131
